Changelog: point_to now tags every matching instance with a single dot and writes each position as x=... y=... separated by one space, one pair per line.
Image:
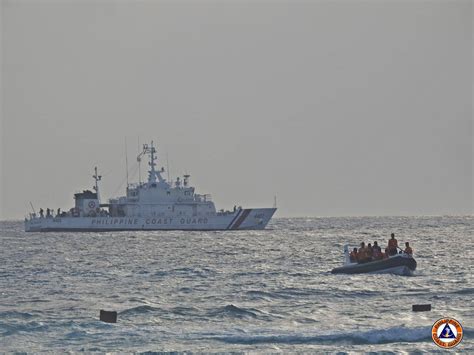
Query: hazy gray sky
x=338 y=108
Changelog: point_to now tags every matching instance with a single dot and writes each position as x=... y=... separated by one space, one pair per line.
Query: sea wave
x=376 y=336
x=233 y=311
x=464 y=291
x=14 y=328
x=162 y=312
x=138 y=310
x=15 y=314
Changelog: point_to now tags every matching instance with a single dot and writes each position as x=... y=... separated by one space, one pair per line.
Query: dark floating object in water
x=108 y=316
x=421 y=307
x=400 y=264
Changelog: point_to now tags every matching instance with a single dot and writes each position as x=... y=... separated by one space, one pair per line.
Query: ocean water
x=244 y=291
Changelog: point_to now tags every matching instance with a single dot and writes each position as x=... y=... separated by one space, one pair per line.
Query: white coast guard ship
x=153 y=205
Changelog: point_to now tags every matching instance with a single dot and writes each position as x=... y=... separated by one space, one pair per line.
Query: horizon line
x=328 y=216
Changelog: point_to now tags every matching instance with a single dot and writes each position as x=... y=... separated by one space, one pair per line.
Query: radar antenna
x=186 y=179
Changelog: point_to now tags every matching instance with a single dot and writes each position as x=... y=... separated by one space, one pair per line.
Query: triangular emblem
x=447 y=333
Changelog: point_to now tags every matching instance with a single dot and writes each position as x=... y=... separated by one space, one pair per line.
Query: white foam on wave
x=376 y=336
x=395 y=334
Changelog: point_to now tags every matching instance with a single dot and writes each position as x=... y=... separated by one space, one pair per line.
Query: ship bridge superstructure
x=158 y=197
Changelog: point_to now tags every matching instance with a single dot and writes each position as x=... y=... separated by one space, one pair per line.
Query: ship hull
x=243 y=219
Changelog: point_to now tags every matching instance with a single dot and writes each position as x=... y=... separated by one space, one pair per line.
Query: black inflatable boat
x=400 y=264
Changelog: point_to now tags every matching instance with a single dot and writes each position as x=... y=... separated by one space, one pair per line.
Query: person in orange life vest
x=370 y=252
x=392 y=245
x=377 y=252
x=362 y=253
x=408 y=249
x=354 y=255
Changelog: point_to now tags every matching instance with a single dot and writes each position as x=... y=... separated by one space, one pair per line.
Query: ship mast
x=97 y=178
x=153 y=174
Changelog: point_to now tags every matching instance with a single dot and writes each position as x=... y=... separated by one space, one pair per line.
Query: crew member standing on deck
x=392 y=245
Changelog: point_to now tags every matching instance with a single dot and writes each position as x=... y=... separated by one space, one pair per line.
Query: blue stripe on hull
x=233 y=220
x=241 y=219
